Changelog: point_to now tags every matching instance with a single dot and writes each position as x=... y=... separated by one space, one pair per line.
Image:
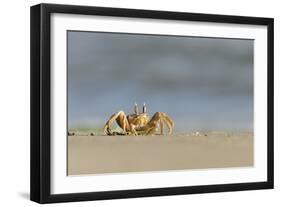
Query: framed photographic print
x=133 y=103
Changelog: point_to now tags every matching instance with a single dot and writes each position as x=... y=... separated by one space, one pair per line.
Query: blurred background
x=203 y=84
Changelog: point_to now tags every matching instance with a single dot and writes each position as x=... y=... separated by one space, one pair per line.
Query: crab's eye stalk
x=144 y=108
x=136 y=109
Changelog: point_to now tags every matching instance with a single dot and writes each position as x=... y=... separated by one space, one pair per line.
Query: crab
x=139 y=123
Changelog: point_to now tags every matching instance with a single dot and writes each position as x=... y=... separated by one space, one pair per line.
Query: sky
x=203 y=84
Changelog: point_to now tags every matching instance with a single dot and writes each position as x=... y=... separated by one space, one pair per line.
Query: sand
x=116 y=154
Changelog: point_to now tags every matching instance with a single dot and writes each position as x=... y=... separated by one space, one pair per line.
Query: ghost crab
x=138 y=123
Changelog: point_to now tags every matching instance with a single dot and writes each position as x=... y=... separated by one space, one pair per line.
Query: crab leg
x=159 y=117
x=168 y=121
x=121 y=120
x=161 y=127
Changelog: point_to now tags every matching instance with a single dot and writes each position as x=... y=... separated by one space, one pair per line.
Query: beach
x=117 y=154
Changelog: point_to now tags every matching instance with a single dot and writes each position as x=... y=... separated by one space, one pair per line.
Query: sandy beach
x=115 y=154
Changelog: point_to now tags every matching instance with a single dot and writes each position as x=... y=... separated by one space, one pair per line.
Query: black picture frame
x=40 y=184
